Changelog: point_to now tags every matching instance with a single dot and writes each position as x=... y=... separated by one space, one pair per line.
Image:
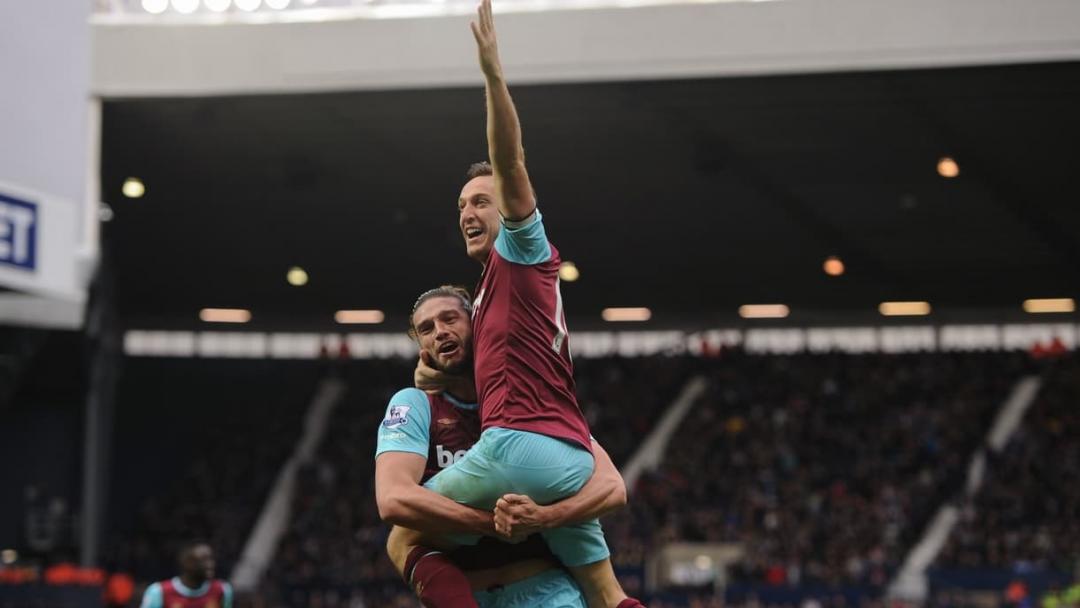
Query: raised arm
x=515 y=193
x=517 y=515
x=404 y=502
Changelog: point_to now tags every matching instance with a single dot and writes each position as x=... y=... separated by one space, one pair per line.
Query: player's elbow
x=616 y=490
x=619 y=496
x=391 y=510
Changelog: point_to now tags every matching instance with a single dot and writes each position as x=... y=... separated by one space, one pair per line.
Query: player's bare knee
x=598 y=582
x=398 y=545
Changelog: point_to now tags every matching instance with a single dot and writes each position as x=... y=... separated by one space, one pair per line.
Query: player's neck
x=192 y=582
x=462 y=389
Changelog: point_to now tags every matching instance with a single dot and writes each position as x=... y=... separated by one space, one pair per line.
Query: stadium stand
x=198 y=444
x=1026 y=517
x=823 y=468
x=333 y=551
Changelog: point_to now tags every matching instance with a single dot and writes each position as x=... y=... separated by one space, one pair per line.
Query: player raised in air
x=424 y=433
x=534 y=438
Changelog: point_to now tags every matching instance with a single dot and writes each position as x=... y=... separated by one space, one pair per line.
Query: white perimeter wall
x=359 y=51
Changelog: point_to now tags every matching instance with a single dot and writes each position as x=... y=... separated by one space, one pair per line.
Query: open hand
x=483 y=30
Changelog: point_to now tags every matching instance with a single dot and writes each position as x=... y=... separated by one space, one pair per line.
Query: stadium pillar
x=103 y=356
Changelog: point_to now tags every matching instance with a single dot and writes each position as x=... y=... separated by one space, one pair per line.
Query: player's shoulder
x=410 y=396
x=153 y=597
x=407 y=404
x=226 y=593
x=524 y=242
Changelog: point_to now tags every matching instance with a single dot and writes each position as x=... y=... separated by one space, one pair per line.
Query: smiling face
x=479 y=216
x=443 y=329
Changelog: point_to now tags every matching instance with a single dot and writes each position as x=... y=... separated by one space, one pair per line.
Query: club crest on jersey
x=396 y=416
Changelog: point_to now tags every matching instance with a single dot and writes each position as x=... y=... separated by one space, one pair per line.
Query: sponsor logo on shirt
x=446 y=421
x=396 y=416
x=446 y=458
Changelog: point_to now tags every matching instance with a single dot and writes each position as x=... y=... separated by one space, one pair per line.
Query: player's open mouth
x=448 y=348
x=473 y=233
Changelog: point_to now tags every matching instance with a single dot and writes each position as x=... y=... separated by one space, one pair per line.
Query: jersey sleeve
x=226 y=602
x=524 y=242
x=153 y=597
x=407 y=424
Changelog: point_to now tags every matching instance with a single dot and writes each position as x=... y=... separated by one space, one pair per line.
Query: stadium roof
x=689 y=197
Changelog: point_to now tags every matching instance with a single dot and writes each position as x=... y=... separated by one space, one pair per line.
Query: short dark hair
x=483 y=168
x=187 y=546
x=442 y=291
x=478 y=169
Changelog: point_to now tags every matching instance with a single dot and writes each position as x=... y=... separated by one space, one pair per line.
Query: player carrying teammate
x=195 y=587
x=424 y=433
x=534 y=440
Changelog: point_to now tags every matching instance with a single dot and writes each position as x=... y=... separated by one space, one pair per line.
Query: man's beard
x=459 y=368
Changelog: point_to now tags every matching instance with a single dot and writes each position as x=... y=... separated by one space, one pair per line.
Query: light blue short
x=551 y=589
x=508 y=461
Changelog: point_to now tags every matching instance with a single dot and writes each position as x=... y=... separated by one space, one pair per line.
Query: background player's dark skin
x=196 y=565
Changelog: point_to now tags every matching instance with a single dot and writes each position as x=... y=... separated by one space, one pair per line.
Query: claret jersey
x=442 y=428
x=438 y=427
x=524 y=373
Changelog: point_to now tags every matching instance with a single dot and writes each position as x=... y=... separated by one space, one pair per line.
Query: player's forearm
x=421 y=509
x=600 y=496
x=603 y=493
x=506 y=152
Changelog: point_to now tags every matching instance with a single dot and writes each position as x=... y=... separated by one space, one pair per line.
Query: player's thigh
x=551 y=589
x=475 y=479
x=401 y=542
x=579 y=544
x=544 y=468
x=398 y=545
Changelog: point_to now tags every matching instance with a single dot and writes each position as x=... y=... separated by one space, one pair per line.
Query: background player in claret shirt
x=195 y=587
x=534 y=438
x=424 y=433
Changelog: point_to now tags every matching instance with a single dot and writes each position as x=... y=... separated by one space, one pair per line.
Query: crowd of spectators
x=1027 y=514
x=211 y=437
x=333 y=553
x=824 y=468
